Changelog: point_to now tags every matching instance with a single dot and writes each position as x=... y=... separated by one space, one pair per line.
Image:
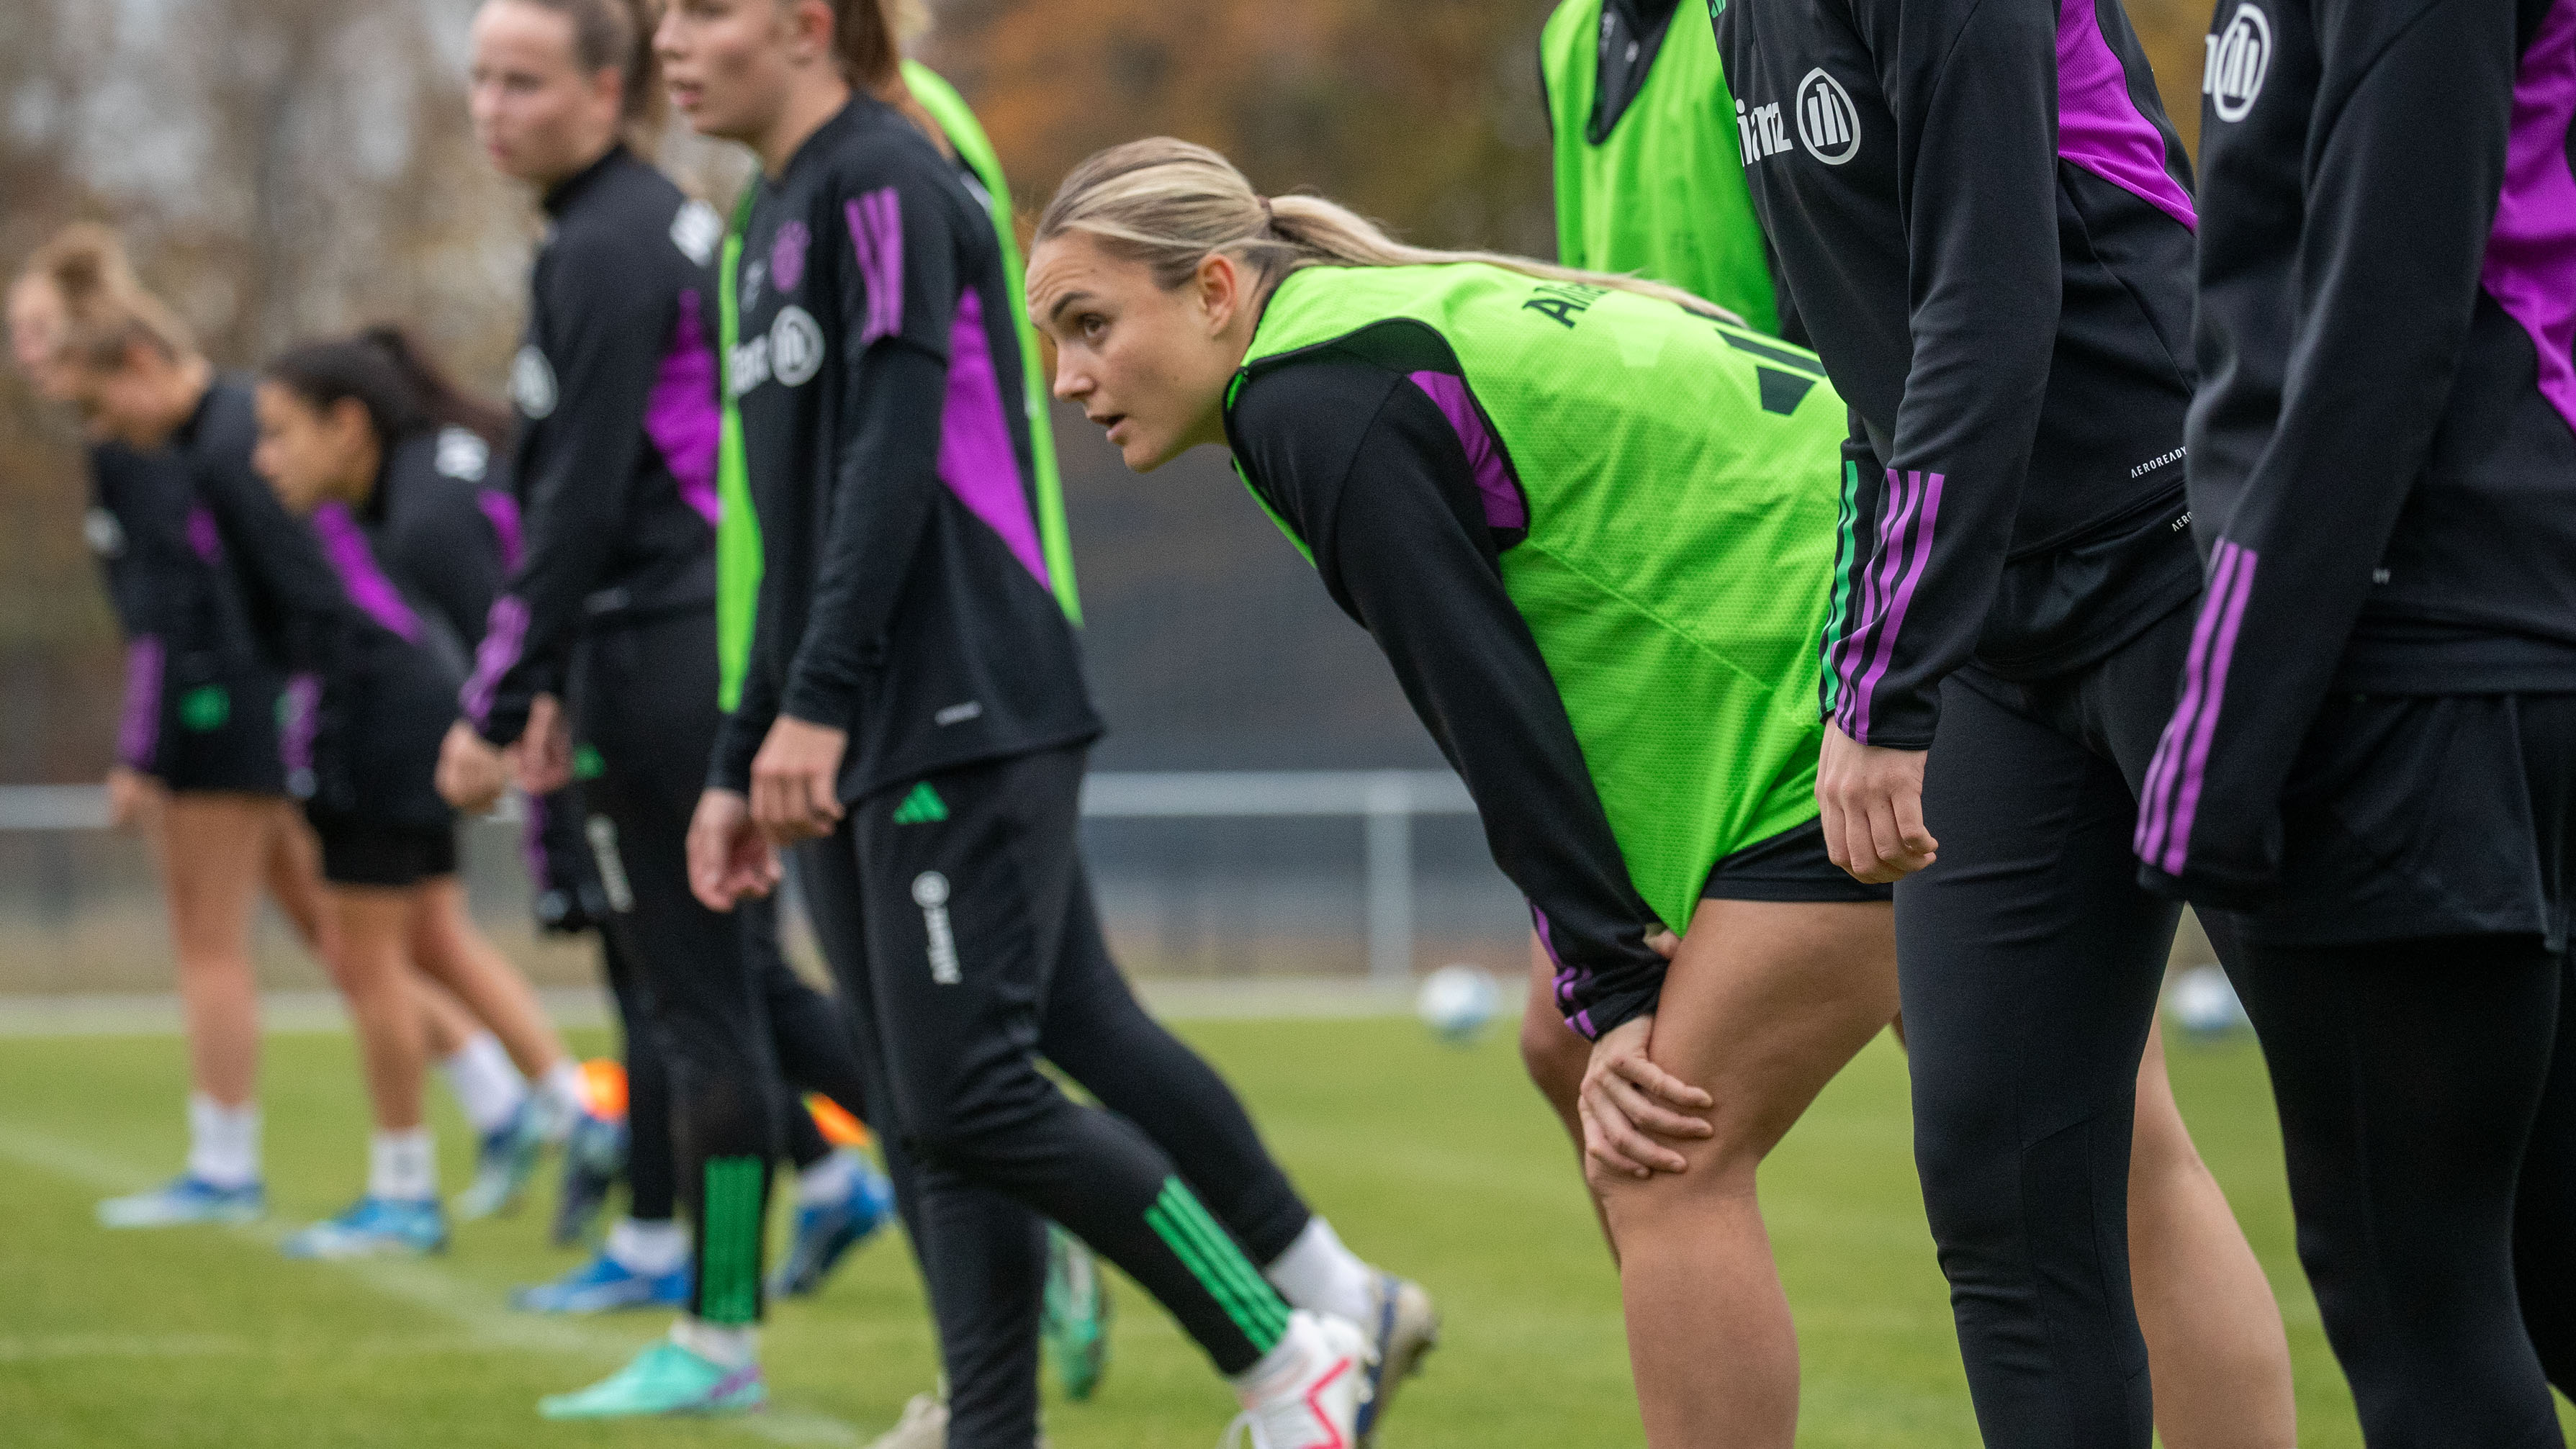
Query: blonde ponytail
x=1169 y=204
x=106 y=311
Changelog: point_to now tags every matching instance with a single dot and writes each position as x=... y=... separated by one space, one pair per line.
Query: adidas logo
x=922 y=807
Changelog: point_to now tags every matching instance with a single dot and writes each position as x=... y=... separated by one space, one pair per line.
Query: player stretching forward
x=2374 y=755
x=1647 y=185
x=905 y=537
x=1983 y=219
x=616 y=456
x=199 y=772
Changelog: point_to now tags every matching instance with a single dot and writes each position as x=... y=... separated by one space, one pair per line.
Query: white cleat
x=924 y=1425
x=1314 y=1398
x=1403 y=1325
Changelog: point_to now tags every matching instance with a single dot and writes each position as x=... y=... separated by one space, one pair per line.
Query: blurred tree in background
x=283 y=168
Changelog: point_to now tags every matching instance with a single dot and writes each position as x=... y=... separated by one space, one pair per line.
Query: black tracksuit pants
x=968 y=949
x=2030 y=960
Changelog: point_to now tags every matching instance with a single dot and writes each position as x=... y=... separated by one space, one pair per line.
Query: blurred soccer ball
x=2204 y=1004
x=1457 y=1001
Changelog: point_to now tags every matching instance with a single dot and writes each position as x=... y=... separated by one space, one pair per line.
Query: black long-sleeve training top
x=1986 y=224
x=2384 y=449
x=173 y=593
x=615 y=390
x=904 y=595
x=1363 y=467
x=421 y=561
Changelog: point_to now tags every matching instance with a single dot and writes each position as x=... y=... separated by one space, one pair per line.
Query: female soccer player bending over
x=348 y=440
x=1591 y=523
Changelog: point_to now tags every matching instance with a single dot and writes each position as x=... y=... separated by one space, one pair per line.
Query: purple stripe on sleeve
x=355 y=562
x=1504 y=507
x=2155 y=813
x=502 y=511
x=876 y=234
x=2099 y=127
x=204 y=536
x=2531 y=253
x=1567 y=978
x=303 y=702
x=532 y=843
x=2222 y=652
x=682 y=418
x=505 y=633
x=976 y=459
x=1923 y=500
x=140 y=731
x=1871 y=616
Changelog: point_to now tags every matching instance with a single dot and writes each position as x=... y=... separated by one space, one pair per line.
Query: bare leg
x=1765 y=1002
x=454 y=952
x=292 y=865
x=445 y=1026
x=2220 y=1363
x=213 y=885
x=375 y=974
x=1555 y=1058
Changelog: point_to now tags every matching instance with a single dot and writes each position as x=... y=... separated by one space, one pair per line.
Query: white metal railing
x=1385 y=801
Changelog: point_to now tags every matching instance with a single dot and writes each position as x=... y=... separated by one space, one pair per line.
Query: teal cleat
x=507 y=1160
x=1073 y=1322
x=663 y=1379
x=376 y=1227
x=185 y=1200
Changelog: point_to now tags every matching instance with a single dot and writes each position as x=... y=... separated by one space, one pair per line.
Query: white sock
x=488 y=1088
x=402 y=1166
x=223 y=1142
x=828 y=1180
x=564 y=1096
x=1319 y=1275
x=731 y=1348
x=651 y=1249
x=1285 y=1363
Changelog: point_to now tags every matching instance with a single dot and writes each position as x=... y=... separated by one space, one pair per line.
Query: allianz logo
x=1828 y=124
x=792 y=352
x=2237 y=59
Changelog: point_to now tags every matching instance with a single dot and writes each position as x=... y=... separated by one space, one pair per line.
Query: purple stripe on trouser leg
x=2222 y=653
x=2155 y=804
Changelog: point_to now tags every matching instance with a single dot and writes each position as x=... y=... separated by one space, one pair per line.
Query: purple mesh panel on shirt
x=203 y=536
x=2099 y=127
x=2531 y=254
x=1913 y=507
x=502 y=511
x=2172 y=789
x=140 y=730
x=505 y=633
x=1504 y=507
x=682 y=418
x=976 y=460
x=876 y=234
x=356 y=564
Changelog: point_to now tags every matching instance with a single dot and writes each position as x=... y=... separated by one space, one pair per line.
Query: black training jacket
x=2383 y=453
x=615 y=389
x=903 y=593
x=1986 y=224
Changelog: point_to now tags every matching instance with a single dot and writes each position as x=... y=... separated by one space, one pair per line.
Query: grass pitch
x=1437 y=1161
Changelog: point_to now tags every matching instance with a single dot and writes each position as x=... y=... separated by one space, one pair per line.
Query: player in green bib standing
x=1650 y=182
x=1591 y=524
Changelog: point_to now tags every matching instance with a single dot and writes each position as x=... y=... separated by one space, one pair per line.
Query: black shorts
x=1789 y=866
x=393 y=857
x=221 y=735
x=2408 y=816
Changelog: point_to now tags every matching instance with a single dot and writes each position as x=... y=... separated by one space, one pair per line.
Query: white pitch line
x=417 y=1283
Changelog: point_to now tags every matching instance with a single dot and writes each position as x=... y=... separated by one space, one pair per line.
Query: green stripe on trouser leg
x=729 y=1241
x=1213 y=1258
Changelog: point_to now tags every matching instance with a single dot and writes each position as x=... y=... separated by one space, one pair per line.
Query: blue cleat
x=507 y=1160
x=594 y=1155
x=604 y=1285
x=825 y=1231
x=185 y=1200
x=664 y=1379
x=377 y=1227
